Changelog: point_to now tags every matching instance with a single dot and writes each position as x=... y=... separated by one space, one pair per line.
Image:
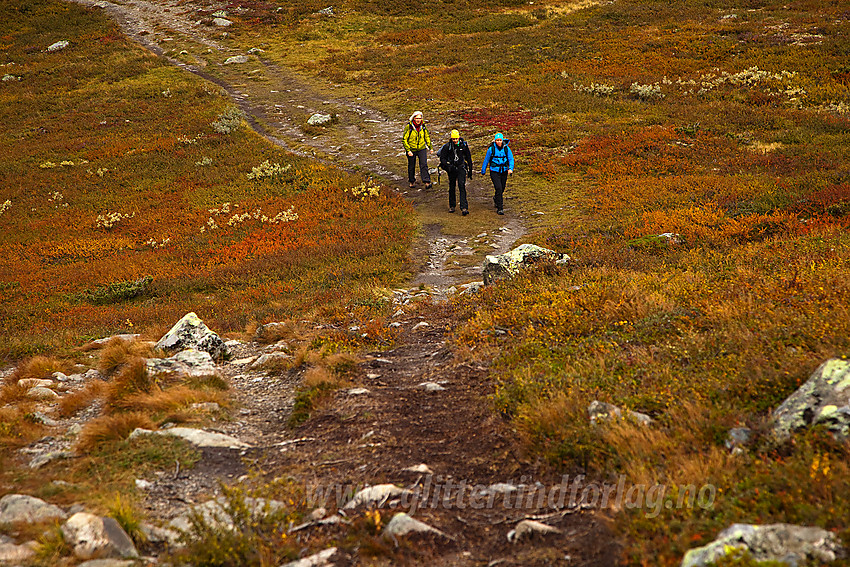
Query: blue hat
x=498 y=136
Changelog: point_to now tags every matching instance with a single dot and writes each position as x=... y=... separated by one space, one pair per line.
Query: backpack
x=492 y=149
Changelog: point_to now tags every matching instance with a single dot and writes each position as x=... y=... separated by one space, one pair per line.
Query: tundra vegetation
x=726 y=123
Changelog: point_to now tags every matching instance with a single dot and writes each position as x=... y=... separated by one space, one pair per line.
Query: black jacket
x=455 y=156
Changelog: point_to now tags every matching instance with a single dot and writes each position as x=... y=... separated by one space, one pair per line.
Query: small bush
x=118 y=291
x=229 y=121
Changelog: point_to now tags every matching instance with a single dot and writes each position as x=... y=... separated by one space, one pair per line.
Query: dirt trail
x=370 y=437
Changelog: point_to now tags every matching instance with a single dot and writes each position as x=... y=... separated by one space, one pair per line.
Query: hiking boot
x=451 y=209
x=411 y=185
x=429 y=185
x=464 y=212
x=500 y=212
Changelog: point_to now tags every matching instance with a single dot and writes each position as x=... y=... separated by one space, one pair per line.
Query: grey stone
x=508 y=265
x=236 y=59
x=7 y=77
x=738 y=437
x=197 y=437
x=321 y=559
x=186 y=363
x=823 y=399
x=358 y=391
x=600 y=411
x=96 y=537
x=401 y=524
x=431 y=387
x=785 y=543
x=20 y=508
x=319 y=119
x=269 y=359
x=155 y=534
x=46 y=458
x=471 y=288
x=39 y=417
x=191 y=332
x=222 y=22
x=10 y=553
x=42 y=394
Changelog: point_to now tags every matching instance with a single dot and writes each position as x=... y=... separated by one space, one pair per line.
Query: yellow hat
x=455 y=135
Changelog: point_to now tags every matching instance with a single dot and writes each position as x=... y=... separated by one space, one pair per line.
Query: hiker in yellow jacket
x=417 y=143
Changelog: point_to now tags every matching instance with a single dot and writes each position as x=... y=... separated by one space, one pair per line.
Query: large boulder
x=190 y=363
x=191 y=332
x=507 y=265
x=95 y=537
x=784 y=543
x=823 y=399
x=20 y=508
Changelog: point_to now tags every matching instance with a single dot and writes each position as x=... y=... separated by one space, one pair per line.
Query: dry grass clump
x=133 y=379
x=110 y=428
x=117 y=352
x=39 y=367
x=179 y=397
x=73 y=402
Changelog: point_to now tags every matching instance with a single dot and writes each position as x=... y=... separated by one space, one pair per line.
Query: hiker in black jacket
x=456 y=159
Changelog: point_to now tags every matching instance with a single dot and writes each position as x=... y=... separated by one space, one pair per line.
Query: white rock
x=319 y=119
x=42 y=394
x=187 y=363
x=236 y=59
x=270 y=358
x=528 y=528
x=214 y=513
x=358 y=391
x=58 y=46
x=431 y=387
x=46 y=458
x=143 y=484
x=191 y=332
x=419 y=469
x=375 y=495
x=197 y=437
x=321 y=559
x=420 y=325
x=95 y=537
x=21 y=508
x=17 y=554
x=222 y=22
x=402 y=524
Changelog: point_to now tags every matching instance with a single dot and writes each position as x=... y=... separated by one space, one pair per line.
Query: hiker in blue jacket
x=500 y=158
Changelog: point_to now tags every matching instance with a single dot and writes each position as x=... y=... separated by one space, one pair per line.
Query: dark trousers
x=458 y=176
x=500 y=180
x=423 y=166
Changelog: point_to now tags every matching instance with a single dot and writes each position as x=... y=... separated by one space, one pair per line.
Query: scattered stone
x=420 y=325
x=58 y=46
x=402 y=524
x=738 y=437
x=508 y=265
x=213 y=513
x=186 y=363
x=197 y=437
x=254 y=50
x=34 y=383
x=155 y=534
x=375 y=496
x=824 y=398
x=191 y=332
x=205 y=407
x=42 y=460
x=109 y=563
x=528 y=528
x=236 y=59
x=317 y=514
x=242 y=361
x=59 y=376
x=372 y=376
x=143 y=484
x=42 y=394
x=99 y=343
x=96 y=537
x=7 y=77
x=419 y=469
x=319 y=119
x=600 y=411
x=329 y=11
x=774 y=542
x=358 y=391
x=470 y=288
x=270 y=358
x=39 y=417
x=16 y=554
x=321 y=559
x=431 y=387
x=222 y=22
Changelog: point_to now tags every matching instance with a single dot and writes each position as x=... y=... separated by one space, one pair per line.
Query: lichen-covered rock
x=319 y=119
x=21 y=508
x=191 y=332
x=823 y=399
x=402 y=524
x=190 y=363
x=600 y=411
x=197 y=437
x=236 y=59
x=375 y=496
x=95 y=537
x=507 y=265
x=774 y=542
x=214 y=513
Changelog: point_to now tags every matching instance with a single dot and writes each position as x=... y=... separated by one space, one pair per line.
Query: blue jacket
x=499 y=160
